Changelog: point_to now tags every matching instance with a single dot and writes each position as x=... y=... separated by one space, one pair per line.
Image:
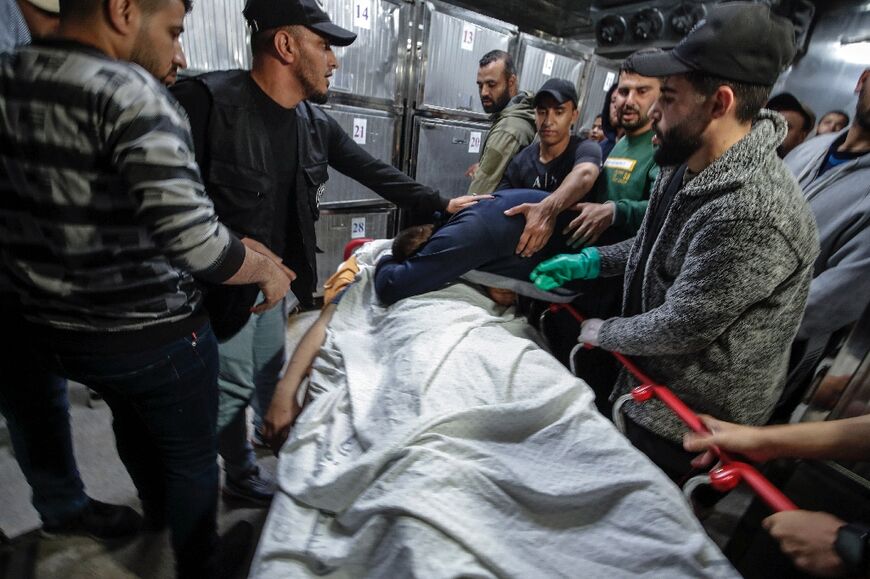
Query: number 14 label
x=362 y=12
x=360 y=130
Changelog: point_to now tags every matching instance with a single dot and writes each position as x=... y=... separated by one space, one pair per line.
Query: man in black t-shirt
x=562 y=164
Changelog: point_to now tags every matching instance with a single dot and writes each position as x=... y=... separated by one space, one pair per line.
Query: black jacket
x=235 y=157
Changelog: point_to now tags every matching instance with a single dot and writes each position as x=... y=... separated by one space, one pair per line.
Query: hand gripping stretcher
x=724 y=477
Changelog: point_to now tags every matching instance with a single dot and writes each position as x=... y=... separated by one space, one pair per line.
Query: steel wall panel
x=454 y=41
x=216 y=36
x=539 y=65
x=442 y=153
x=602 y=76
x=369 y=67
x=377 y=137
x=336 y=227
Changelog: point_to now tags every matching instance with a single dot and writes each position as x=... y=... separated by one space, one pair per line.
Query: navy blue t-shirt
x=480 y=237
x=526 y=171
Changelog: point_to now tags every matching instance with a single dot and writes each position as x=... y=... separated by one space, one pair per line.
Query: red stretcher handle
x=732 y=472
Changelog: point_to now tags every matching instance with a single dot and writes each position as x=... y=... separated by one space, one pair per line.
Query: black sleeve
x=587 y=151
x=507 y=180
x=384 y=179
x=196 y=101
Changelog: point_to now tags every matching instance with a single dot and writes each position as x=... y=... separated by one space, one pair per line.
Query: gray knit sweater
x=724 y=287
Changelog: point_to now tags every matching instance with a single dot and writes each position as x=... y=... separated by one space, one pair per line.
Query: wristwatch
x=851 y=546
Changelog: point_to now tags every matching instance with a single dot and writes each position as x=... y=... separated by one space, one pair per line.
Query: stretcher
x=729 y=473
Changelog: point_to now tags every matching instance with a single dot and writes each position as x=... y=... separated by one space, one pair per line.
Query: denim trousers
x=250 y=367
x=35 y=405
x=164 y=408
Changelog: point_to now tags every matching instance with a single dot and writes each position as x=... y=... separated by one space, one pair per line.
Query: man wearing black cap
x=562 y=164
x=263 y=150
x=799 y=117
x=717 y=277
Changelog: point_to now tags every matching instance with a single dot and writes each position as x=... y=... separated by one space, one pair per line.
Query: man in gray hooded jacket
x=834 y=172
x=717 y=277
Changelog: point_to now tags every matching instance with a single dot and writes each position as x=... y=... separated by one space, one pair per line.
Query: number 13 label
x=362 y=11
x=468 y=33
x=360 y=130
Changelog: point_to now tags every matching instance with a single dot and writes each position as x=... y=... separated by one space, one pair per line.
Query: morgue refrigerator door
x=216 y=36
x=540 y=65
x=443 y=151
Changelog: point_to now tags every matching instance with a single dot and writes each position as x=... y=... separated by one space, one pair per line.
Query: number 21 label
x=360 y=130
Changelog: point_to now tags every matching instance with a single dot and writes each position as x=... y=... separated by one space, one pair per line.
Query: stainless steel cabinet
x=216 y=36
x=374 y=131
x=600 y=77
x=336 y=227
x=541 y=60
x=452 y=43
x=442 y=150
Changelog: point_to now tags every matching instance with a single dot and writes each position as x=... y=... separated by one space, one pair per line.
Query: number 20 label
x=474 y=142
x=360 y=130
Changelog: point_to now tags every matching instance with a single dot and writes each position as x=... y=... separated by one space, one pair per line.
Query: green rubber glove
x=558 y=270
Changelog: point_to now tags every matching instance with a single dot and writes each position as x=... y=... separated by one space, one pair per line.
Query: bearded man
x=717 y=277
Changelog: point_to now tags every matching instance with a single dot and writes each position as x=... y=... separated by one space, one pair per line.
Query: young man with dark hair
x=511 y=115
x=717 y=277
x=264 y=149
x=104 y=225
x=561 y=164
x=799 y=117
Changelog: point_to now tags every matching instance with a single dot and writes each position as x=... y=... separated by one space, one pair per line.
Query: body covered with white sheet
x=443 y=442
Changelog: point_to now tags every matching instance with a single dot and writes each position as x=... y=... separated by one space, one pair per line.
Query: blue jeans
x=250 y=367
x=35 y=405
x=164 y=408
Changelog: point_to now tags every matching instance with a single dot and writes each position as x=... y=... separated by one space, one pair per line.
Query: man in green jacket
x=629 y=170
x=513 y=120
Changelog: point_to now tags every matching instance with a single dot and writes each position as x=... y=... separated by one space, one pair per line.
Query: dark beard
x=311 y=91
x=499 y=105
x=675 y=148
x=862 y=117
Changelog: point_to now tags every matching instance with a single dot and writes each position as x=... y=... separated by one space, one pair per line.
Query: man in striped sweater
x=103 y=225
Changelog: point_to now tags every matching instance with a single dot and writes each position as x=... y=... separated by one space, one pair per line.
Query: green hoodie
x=513 y=128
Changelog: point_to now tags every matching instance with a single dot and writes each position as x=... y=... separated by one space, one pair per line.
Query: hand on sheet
x=589 y=332
x=280 y=417
x=808 y=539
x=457 y=204
x=566 y=267
x=586 y=228
x=749 y=441
x=540 y=222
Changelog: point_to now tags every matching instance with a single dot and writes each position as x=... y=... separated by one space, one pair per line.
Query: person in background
x=44 y=449
x=97 y=146
x=24 y=20
x=832 y=122
x=834 y=171
x=596 y=133
x=717 y=278
x=264 y=149
x=799 y=117
x=562 y=164
x=818 y=543
x=610 y=121
x=511 y=114
x=629 y=170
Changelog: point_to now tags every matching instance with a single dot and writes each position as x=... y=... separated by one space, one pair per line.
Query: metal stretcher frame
x=725 y=477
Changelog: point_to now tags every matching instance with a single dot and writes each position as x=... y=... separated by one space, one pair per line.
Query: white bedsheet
x=443 y=442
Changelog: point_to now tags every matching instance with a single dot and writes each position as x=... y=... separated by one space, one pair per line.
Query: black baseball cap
x=266 y=14
x=739 y=41
x=785 y=101
x=560 y=89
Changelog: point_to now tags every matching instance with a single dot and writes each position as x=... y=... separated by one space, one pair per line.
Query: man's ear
x=575 y=115
x=286 y=46
x=723 y=101
x=123 y=16
x=861 y=80
x=512 y=81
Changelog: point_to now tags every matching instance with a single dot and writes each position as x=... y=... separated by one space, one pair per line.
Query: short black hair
x=843 y=114
x=626 y=66
x=79 y=8
x=262 y=40
x=495 y=55
x=605 y=111
x=409 y=241
x=751 y=98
